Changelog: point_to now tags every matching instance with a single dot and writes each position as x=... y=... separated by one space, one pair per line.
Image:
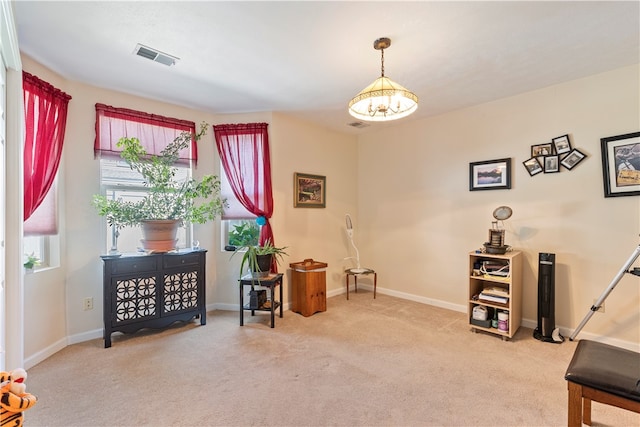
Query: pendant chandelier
x=384 y=99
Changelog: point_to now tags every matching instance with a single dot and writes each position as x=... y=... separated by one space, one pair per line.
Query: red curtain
x=153 y=131
x=45 y=112
x=244 y=152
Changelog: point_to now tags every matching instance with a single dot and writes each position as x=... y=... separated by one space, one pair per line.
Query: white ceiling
x=309 y=58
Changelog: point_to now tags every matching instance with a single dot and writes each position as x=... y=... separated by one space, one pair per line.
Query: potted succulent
x=168 y=202
x=31 y=261
x=258 y=258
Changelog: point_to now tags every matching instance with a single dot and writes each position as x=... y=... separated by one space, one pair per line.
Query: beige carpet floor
x=363 y=362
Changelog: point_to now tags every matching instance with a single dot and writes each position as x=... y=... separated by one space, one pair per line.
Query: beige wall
x=54 y=314
x=406 y=188
x=418 y=220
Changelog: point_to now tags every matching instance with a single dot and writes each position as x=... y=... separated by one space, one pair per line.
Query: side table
x=270 y=282
x=355 y=272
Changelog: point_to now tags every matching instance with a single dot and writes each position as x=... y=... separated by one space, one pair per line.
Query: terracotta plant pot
x=160 y=235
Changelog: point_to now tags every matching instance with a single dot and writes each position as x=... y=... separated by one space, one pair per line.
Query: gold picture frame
x=309 y=191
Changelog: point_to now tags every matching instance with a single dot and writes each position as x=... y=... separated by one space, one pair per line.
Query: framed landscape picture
x=490 y=175
x=309 y=191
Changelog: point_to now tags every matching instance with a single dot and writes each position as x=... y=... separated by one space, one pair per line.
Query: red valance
x=155 y=132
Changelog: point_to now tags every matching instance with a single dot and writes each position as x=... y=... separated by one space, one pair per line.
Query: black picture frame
x=551 y=164
x=533 y=166
x=490 y=175
x=541 y=150
x=572 y=159
x=561 y=144
x=621 y=164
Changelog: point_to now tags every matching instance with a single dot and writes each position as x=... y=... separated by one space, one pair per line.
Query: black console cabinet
x=153 y=291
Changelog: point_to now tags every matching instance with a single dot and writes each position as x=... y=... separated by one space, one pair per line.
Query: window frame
x=136 y=186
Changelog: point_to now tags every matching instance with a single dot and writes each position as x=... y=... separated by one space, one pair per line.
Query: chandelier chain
x=382 y=62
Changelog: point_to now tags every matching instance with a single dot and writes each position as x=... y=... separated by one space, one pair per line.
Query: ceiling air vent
x=358 y=125
x=155 y=55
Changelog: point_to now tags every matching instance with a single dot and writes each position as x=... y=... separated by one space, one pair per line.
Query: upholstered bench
x=604 y=373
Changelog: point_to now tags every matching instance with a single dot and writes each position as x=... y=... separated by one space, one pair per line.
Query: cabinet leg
x=241 y=307
x=273 y=307
x=281 y=299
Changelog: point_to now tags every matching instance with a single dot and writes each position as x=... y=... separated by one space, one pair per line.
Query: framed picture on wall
x=490 y=175
x=551 y=164
x=540 y=150
x=309 y=191
x=533 y=166
x=561 y=144
x=621 y=165
x=572 y=159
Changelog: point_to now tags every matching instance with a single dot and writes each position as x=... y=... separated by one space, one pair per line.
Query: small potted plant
x=259 y=258
x=168 y=202
x=31 y=261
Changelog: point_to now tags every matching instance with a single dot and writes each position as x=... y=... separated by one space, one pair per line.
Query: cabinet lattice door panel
x=180 y=291
x=134 y=299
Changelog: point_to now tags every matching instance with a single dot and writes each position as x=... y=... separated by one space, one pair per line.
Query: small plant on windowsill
x=31 y=261
x=167 y=201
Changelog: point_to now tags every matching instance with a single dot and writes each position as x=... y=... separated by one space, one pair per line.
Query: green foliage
x=250 y=256
x=244 y=234
x=191 y=201
x=31 y=260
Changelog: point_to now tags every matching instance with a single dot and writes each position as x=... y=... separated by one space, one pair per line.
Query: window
x=117 y=179
x=238 y=226
x=245 y=171
x=45 y=116
x=239 y=232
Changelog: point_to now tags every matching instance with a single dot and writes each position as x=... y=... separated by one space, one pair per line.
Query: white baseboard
x=527 y=323
x=45 y=353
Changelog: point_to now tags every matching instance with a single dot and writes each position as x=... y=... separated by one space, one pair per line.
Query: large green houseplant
x=258 y=258
x=168 y=200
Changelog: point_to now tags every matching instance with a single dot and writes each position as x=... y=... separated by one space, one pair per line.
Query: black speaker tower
x=546 y=330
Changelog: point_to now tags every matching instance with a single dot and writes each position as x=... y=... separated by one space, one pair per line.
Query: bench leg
x=575 y=405
x=586 y=411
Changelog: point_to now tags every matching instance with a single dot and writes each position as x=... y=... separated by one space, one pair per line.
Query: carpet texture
x=363 y=362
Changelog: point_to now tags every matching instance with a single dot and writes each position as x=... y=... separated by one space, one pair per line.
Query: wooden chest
x=309 y=287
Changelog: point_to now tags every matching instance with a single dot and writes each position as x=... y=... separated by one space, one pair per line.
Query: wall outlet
x=601 y=309
x=87 y=304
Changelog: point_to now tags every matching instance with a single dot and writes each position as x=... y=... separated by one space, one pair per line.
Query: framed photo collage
x=551 y=156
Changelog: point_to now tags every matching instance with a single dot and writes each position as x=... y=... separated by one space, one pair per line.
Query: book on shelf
x=497 y=291
x=493 y=298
